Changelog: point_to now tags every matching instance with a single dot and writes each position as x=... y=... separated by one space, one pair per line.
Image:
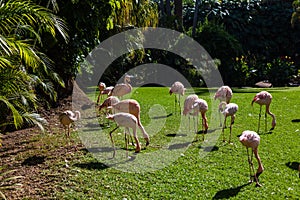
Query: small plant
x=6 y=181
x=281 y=70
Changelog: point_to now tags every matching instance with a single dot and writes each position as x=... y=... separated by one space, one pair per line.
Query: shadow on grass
x=176 y=135
x=92 y=165
x=209 y=148
x=228 y=193
x=179 y=146
x=34 y=160
x=163 y=116
x=296 y=120
x=293 y=165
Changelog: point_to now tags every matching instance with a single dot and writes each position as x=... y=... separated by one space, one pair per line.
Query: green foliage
x=7 y=182
x=91 y=22
x=295 y=20
x=281 y=70
x=220 y=44
x=24 y=69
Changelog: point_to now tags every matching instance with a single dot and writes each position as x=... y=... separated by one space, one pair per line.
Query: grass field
x=173 y=166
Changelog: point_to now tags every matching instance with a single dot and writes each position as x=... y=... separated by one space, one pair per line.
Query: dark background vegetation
x=250 y=41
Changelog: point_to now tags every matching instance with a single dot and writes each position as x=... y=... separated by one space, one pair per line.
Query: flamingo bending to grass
x=251 y=139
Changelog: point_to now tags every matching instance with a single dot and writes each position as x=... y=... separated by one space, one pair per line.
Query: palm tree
x=24 y=69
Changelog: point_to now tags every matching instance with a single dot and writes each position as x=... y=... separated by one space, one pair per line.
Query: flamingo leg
x=69 y=131
x=179 y=104
x=197 y=125
x=266 y=121
x=259 y=116
x=251 y=168
x=112 y=141
x=260 y=167
x=220 y=116
x=138 y=146
x=126 y=140
x=232 y=122
x=223 y=129
x=175 y=103
x=203 y=129
x=230 y=128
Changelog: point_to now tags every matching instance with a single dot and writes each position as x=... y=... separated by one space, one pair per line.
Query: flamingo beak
x=254 y=100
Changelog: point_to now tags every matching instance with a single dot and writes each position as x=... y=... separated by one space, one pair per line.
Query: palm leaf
x=17 y=118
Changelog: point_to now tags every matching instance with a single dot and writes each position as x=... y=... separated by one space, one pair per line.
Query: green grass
x=175 y=167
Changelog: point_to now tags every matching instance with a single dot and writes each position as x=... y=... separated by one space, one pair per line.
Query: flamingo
x=109 y=102
x=251 y=139
x=189 y=105
x=123 y=88
x=224 y=93
x=101 y=87
x=201 y=106
x=126 y=120
x=177 y=88
x=67 y=118
x=264 y=98
x=229 y=110
x=133 y=107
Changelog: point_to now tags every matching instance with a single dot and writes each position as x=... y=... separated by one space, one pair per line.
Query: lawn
x=175 y=165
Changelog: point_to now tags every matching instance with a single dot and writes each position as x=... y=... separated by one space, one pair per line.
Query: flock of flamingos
x=127 y=115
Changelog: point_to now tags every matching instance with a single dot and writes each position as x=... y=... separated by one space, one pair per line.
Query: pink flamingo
x=229 y=110
x=224 y=93
x=109 y=102
x=103 y=90
x=67 y=118
x=177 y=88
x=264 y=98
x=251 y=139
x=189 y=103
x=101 y=87
x=123 y=88
x=133 y=107
x=126 y=120
x=201 y=106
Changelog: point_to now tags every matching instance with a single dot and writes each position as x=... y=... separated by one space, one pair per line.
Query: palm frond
x=17 y=118
x=35 y=119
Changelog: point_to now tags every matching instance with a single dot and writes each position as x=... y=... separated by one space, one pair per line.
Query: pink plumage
x=228 y=110
x=264 y=98
x=133 y=107
x=189 y=103
x=126 y=120
x=177 y=88
x=123 y=88
x=109 y=102
x=250 y=139
x=224 y=93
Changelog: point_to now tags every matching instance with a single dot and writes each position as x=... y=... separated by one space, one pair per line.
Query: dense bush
x=213 y=36
x=263 y=30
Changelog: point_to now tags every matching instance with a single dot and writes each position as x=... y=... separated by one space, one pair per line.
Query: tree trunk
x=195 y=20
x=168 y=8
x=178 y=12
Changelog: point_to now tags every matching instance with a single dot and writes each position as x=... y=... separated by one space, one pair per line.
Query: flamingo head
x=101 y=86
x=254 y=100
